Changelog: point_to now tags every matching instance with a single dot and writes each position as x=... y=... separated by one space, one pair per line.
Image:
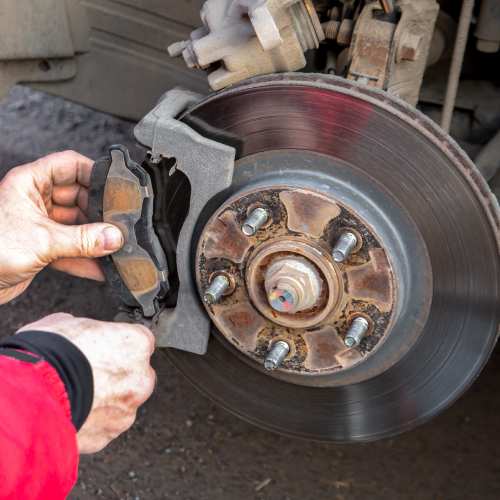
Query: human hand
x=123 y=378
x=43 y=221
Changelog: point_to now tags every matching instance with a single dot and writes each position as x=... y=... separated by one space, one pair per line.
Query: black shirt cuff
x=71 y=365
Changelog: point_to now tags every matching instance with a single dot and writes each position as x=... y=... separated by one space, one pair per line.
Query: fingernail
x=112 y=238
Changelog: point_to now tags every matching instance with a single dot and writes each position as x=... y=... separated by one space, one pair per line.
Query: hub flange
x=291 y=259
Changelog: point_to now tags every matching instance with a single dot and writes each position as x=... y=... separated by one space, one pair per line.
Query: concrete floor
x=182 y=445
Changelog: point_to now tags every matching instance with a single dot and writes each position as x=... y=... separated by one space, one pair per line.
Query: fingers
x=86 y=240
x=64 y=168
x=53 y=323
x=83 y=268
x=7 y=294
x=69 y=216
x=102 y=426
x=73 y=195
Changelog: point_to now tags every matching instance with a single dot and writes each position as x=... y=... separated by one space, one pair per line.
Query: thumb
x=86 y=240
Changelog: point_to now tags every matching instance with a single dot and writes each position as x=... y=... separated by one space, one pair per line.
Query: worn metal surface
x=308 y=213
x=447 y=200
x=265 y=260
x=125 y=201
x=280 y=247
x=370 y=48
x=208 y=166
x=243 y=38
x=390 y=52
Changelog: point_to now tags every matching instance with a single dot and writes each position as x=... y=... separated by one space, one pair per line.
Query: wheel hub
x=289 y=287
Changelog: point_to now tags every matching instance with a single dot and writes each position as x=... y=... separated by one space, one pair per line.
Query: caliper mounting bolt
x=216 y=289
x=276 y=356
x=356 y=332
x=255 y=221
x=344 y=246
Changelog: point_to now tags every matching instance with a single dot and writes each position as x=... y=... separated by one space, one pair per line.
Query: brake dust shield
x=335 y=136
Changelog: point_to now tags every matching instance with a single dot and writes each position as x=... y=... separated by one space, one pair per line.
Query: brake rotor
x=390 y=174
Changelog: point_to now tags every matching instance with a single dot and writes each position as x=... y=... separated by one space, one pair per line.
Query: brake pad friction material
x=127 y=202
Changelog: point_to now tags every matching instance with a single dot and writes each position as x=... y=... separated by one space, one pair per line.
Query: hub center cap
x=292 y=285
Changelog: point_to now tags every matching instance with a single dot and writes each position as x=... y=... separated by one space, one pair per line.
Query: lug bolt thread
x=254 y=221
x=356 y=332
x=344 y=247
x=276 y=356
x=216 y=289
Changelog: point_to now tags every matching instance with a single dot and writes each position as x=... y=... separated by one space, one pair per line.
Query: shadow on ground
x=182 y=445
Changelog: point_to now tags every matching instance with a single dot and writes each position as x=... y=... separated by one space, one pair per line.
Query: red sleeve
x=38 y=448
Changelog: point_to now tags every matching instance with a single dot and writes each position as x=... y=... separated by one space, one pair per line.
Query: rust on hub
x=290 y=250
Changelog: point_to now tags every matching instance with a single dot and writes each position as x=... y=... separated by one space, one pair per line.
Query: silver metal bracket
x=209 y=167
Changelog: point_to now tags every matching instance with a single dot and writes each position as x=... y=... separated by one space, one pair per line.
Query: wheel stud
x=344 y=246
x=276 y=356
x=216 y=289
x=254 y=221
x=356 y=332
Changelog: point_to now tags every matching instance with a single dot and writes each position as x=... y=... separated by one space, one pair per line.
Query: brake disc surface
x=351 y=134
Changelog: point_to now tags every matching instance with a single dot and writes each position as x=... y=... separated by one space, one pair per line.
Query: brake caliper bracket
x=209 y=167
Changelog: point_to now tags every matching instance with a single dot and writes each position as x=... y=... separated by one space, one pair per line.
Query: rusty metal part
x=288 y=275
x=244 y=322
x=231 y=286
x=242 y=38
x=269 y=252
x=370 y=48
x=308 y=213
x=346 y=30
x=392 y=54
x=331 y=29
x=123 y=202
x=387 y=6
x=327 y=351
x=371 y=281
x=225 y=239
